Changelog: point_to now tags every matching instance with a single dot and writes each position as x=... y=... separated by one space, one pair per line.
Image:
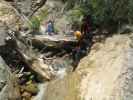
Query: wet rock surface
x=108 y=78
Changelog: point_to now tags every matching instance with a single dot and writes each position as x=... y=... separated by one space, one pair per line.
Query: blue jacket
x=50 y=28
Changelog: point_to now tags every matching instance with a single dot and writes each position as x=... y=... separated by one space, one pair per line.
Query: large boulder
x=9 y=16
x=105 y=74
x=8 y=87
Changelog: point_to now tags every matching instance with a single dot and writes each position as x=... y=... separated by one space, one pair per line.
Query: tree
x=107 y=13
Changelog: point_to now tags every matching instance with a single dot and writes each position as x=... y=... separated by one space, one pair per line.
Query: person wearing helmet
x=80 y=50
x=78 y=35
x=84 y=38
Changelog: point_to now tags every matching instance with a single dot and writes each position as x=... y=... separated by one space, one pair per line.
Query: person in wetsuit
x=80 y=50
x=84 y=38
x=86 y=27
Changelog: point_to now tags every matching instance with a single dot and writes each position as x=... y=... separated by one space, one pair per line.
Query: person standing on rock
x=86 y=27
x=50 y=28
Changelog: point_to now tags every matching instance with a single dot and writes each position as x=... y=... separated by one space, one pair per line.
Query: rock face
x=105 y=74
x=8 y=85
x=8 y=88
x=8 y=15
x=2 y=34
x=109 y=71
x=27 y=6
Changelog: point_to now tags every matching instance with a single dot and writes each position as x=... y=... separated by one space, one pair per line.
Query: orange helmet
x=78 y=35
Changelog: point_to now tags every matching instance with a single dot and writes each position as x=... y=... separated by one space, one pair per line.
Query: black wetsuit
x=84 y=43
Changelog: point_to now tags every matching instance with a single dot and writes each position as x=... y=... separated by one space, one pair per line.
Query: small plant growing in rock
x=35 y=23
x=36 y=20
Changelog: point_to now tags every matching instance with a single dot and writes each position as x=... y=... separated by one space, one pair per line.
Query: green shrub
x=105 y=12
x=130 y=13
x=75 y=15
x=35 y=21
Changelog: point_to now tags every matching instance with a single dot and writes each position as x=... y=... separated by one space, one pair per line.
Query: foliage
x=35 y=21
x=130 y=13
x=105 y=12
x=43 y=14
x=75 y=15
x=112 y=12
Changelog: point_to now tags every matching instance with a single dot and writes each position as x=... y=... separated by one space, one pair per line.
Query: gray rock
x=8 y=88
x=2 y=34
x=27 y=7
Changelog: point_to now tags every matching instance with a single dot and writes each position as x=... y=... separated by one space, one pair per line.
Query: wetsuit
x=86 y=28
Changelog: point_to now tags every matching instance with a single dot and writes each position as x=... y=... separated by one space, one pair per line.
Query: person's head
x=78 y=34
x=50 y=21
x=87 y=17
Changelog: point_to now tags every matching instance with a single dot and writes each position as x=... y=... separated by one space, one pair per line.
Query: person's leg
x=77 y=56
